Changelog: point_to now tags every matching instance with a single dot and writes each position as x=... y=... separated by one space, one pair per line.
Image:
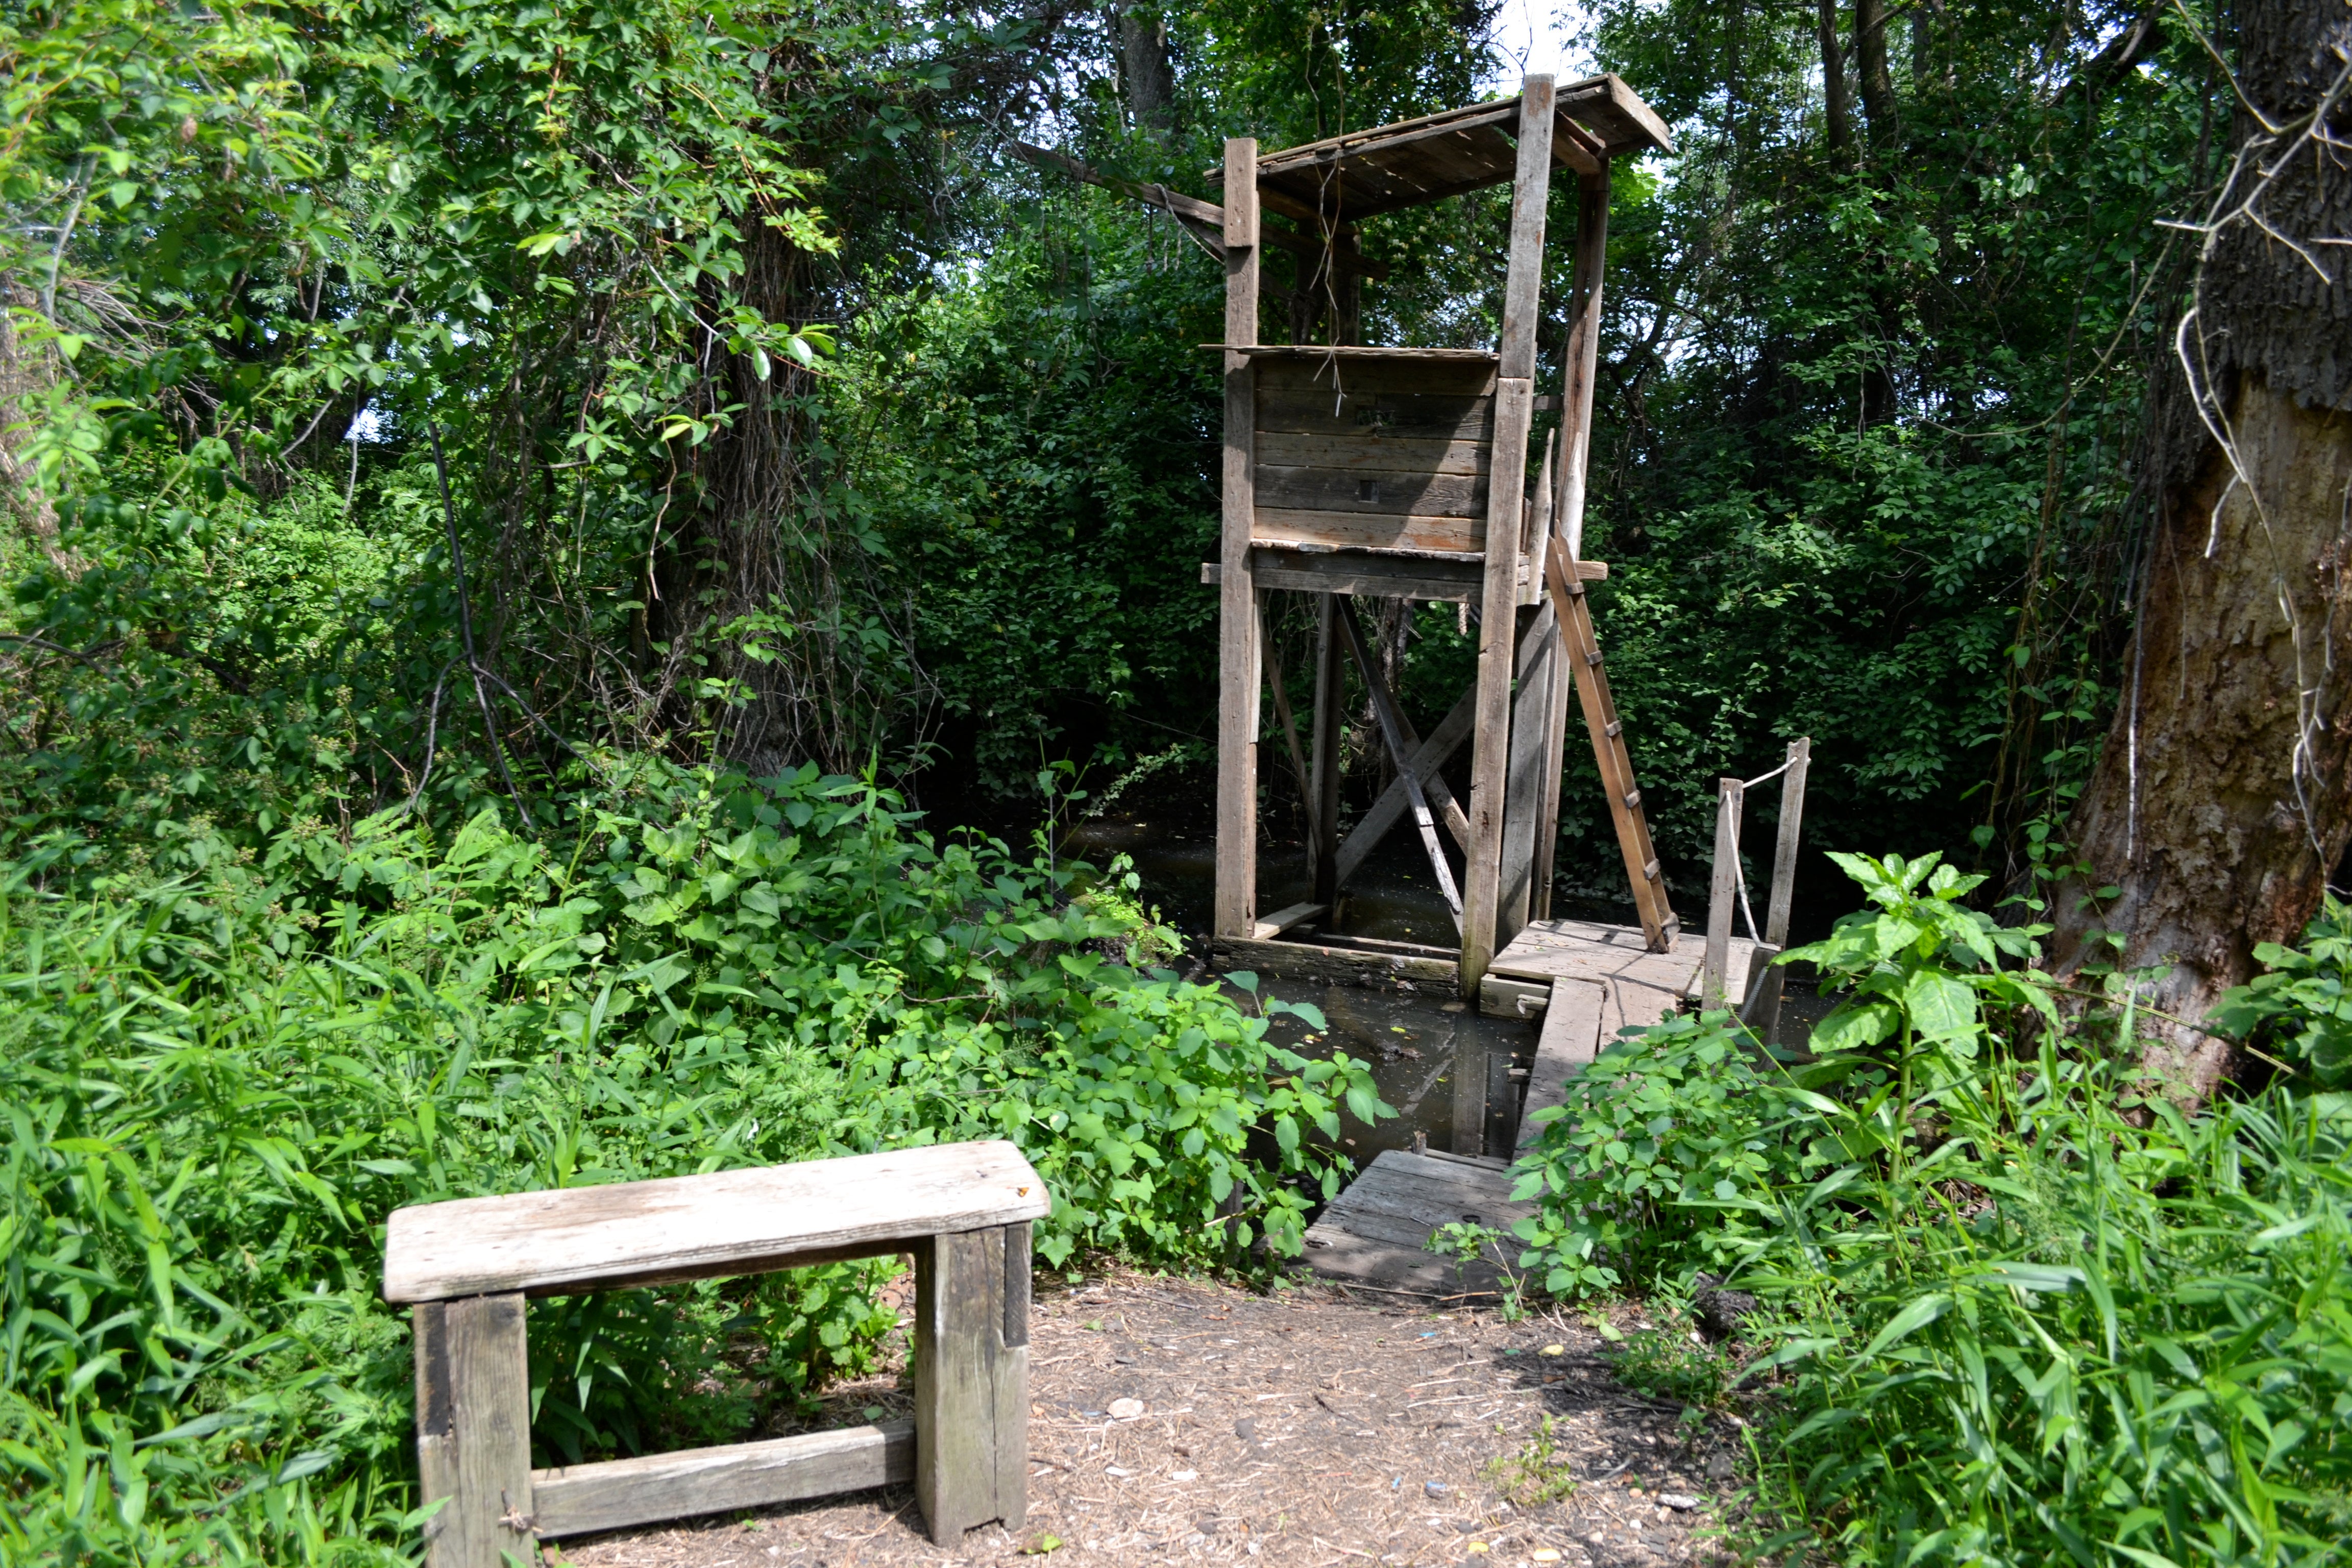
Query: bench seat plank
x=693 y=1227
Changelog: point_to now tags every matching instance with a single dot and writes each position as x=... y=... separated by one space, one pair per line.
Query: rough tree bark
x=1838 y=116
x=2223 y=795
x=1143 y=59
x=1869 y=70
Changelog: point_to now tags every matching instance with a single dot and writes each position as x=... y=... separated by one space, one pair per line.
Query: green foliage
x=2301 y=1009
x=220 y=1083
x=2009 y=1312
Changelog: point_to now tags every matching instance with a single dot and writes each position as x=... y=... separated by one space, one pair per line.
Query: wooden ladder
x=1659 y=926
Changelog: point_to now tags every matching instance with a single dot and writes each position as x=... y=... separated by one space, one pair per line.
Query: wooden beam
x=1570 y=1039
x=1566 y=501
x=1429 y=577
x=1283 y=919
x=1770 y=982
x=1325 y=765
x=972 y=1380
x=1428 y=757
x=1506 y=500
x=1723 y=892
x=1523 y=791
x=473 y=1430
x=1330 y=964
x=1273 y=681
x=1392 y=731
x=1659 y=926
x=1235 y=904
x=580 y=1500
x=1580 y=362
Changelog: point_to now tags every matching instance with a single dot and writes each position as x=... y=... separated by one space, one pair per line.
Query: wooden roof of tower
x=1414 y=162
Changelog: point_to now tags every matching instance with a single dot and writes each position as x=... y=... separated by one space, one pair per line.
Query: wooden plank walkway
x=1588 y=981
x=1373 y=1234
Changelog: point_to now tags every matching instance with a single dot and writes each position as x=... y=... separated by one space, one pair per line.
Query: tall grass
x=2014 y=1305
x=219 y=1085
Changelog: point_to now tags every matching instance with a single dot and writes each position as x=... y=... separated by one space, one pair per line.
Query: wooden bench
x=963 y=1209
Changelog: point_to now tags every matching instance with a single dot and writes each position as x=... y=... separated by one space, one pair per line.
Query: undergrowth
x=220 y=1074
x=2013 y=1304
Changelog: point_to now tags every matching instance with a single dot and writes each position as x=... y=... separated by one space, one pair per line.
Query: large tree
x=2223 y=795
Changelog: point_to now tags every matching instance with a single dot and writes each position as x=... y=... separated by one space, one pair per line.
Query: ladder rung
x=1576 y=590
x=1613 y=728
x=1633 y=800
x=1650 y=872
x=1593 y=658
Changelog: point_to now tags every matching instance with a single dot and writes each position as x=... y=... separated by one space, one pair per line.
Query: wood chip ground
x=1315 y=1425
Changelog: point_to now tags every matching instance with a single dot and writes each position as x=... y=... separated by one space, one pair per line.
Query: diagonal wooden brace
x=1428 y=757
x=1392 y=731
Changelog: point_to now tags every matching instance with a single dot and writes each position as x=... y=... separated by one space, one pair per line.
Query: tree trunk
x=2223 y=795
x=1837 y=115
x=1143 y=59
x=1870 y=66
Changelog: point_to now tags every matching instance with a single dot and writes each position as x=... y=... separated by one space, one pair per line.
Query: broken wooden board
x=1571 y=1037
x=1374 y=1232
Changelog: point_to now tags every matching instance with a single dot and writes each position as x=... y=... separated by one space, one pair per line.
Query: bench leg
x=473 y=1431
x=972 y=1380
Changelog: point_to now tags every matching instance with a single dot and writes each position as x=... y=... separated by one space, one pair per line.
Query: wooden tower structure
x=1359 y=471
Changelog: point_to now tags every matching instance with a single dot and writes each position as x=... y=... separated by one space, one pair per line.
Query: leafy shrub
x=2009 y=1309
x=219 y=1084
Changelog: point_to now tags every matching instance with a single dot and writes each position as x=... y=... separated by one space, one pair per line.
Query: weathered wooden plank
x=1400 y=492
x=1235 y=899
x=1505 y=510
x=1523 y=789
x=1327 y=964
x=1766 y=1014
x=1499 y=996
x=1372 y=374
x=1428 y=758
x=1321 y=357
x=1468 y=1075
x=1723 y=891
x=1368 y=531
x=1375 y=1231
x=579 y=1500
x=1401 y=751
x=1570 y=1040
x=1659 y=925
x=1616 y=114
x=694 y=1227
x=1428 y=576
x=1491 y=723
x=1325 y=765
x=473 y=1430
x=971 y=1386
x=1358 y=412
x=1283 y=919
x=1372 y=450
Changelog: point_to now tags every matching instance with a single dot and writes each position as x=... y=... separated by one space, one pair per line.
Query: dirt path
x=1309 y=1426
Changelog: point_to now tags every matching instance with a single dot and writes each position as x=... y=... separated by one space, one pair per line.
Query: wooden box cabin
x=1351 y=470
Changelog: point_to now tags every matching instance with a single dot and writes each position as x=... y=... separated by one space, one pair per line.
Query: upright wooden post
x=473 y=1430
x=1724 y=892
x=1569 y=466
x=1236 y=910
x=1524 y=824
x=1505 y=504
x=1784 y=887
x=972 y=1380
x=1323 y=765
